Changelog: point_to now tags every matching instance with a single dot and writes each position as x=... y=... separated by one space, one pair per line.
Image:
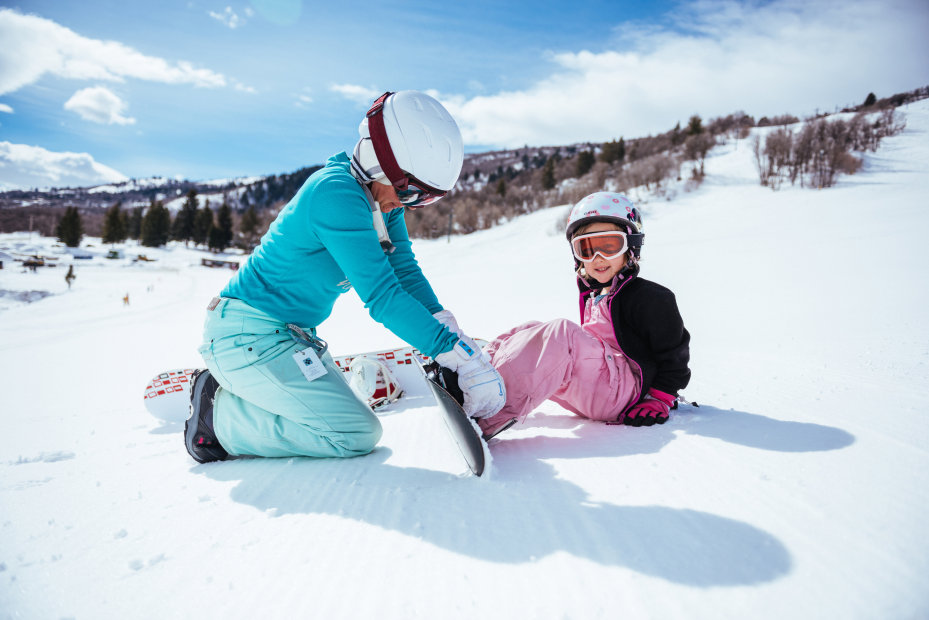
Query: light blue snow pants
x=265 y=406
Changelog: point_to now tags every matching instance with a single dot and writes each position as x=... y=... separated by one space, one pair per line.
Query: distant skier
x=271 y=388
x=629 y=356
x=70 y=277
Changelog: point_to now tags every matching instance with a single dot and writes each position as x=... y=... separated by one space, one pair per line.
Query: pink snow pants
x=561 y=361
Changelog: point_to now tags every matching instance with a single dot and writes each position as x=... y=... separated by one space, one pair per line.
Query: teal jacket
x=322 y=244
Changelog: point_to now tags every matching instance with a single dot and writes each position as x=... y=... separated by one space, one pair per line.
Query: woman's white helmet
x=408 y=137
x=608 y=207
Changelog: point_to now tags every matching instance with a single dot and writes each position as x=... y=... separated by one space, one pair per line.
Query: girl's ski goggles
x=411 y=191
x=609 y=244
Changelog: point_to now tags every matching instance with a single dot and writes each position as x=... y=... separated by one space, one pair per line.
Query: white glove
x=481 y=384
x=446 y=318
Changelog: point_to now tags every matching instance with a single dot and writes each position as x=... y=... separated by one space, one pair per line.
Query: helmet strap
x=376 y=216
x=358 y=170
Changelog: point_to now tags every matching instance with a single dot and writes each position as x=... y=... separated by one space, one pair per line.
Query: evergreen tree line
x=153 y=226
x=274 y=190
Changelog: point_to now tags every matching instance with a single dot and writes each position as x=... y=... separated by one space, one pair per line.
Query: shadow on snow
x=526 y=511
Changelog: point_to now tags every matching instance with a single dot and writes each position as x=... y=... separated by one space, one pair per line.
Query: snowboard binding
x=447 y=378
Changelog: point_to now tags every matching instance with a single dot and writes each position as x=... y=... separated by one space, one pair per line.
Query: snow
x=234 y=181
x=799 y=488
x=129 y=185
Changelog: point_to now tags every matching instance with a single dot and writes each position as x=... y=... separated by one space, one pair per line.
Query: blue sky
x=200 y=89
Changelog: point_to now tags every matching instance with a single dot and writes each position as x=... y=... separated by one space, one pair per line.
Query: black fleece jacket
x=649 y=330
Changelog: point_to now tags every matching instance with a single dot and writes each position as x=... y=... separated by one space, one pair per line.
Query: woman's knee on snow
x=360 y=439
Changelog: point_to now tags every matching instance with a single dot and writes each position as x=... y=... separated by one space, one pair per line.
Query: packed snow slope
x=799 y=488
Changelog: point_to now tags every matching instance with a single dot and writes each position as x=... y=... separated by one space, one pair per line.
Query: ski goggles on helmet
x=411 y=191
x=609 y=244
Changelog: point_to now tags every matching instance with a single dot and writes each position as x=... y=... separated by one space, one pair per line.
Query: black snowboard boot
x=448 y=379
x=199 y=437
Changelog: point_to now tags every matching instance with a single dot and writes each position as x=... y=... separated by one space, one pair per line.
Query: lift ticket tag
x=309 y=364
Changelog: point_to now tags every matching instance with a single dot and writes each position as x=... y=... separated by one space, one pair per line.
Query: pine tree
x=221 y=234
x=156 y=225
x=548 y=174
x=202 y=224
x=215 y=242
x=248 y=227
x=677 y=136
x=124 y=220
x=612 y=152
x=870 y=100
x=70 y=230
x=501 y=187
x=225 y=224
x=585 y=161
x=185 y=221
x=695 y=126
x=114 y=225
x=134 y=225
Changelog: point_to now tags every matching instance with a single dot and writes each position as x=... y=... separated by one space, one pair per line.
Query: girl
x=626 y=361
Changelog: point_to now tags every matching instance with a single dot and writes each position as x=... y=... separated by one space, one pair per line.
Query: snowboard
x=464 y=431
x=405 y=367
x=397 y=358
x=167 y=395
x=401 y=363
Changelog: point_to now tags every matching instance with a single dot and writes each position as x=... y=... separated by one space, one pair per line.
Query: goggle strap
x=385 y=156
x=377 y=130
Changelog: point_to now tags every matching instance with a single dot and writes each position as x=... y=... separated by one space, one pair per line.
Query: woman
x=270 y=388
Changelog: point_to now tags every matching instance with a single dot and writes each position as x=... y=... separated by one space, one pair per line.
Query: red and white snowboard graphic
x=167 y=395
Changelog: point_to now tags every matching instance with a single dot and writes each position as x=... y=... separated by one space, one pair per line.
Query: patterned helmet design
x=608 y=207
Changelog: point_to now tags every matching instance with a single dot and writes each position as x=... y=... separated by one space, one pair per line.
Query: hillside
x=797 y=489
x=493 y=187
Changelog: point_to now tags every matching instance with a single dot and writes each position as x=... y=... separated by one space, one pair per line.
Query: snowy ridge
x=799 y=488
x=130 y=185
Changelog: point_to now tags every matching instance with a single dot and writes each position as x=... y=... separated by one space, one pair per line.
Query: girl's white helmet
x=608 y=207
x=409 y=139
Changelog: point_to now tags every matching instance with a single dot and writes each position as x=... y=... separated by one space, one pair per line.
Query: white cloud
x=100 y=105
x=5 y=108
x=230 y=18
x=23 y=166
x=304 y=98
x=34 y=46
x=358 y=94
x=243 y=88
x=773 y=58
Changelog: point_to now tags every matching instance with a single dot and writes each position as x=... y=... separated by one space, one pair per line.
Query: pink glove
x=654 y=408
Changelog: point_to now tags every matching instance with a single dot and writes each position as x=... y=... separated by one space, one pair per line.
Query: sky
x=102 y=90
